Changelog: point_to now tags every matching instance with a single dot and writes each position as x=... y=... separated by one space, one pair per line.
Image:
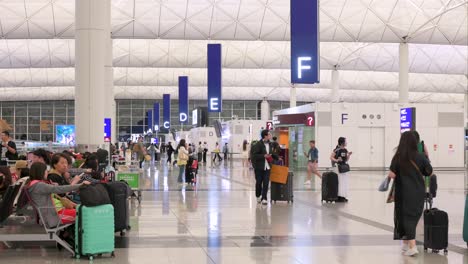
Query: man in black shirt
x=8 y=146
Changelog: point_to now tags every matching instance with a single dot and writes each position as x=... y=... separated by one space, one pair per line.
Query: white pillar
x=292 y=97
x=90 y=94
x=265 y=110
x=466 y=110
x=403 y=76
x=335 y=86
x=109 y=100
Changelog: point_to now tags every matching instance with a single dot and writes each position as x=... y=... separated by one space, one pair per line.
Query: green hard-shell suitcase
x=94 y=231
x=465 y=222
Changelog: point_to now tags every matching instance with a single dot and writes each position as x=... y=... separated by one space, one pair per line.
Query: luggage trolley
x=133 y=180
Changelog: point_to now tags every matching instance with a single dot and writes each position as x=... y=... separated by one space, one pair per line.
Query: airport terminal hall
x=234 y=131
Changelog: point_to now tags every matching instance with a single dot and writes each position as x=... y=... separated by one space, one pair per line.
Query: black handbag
x=94 y=195
x=342 y=168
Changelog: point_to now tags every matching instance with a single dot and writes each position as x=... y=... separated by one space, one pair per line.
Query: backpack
x=94 y=195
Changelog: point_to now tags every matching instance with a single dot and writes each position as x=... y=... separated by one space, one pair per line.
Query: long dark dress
x=409 y=196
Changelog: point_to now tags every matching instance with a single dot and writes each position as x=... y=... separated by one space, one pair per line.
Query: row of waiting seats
x=10 y=211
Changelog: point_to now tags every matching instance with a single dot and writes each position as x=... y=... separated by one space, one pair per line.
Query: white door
x=361 y=153
x=377 y=147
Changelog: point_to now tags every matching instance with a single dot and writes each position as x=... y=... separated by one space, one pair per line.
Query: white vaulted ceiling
x=155 y=41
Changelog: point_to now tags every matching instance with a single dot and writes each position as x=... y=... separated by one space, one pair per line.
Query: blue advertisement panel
x=167 y=111
x=149 y=122
x=65 y=134
x=305 y=48
x=107 y=130
x=156 y=117
x=183 y=99
x=407 y=119
x=214 y=78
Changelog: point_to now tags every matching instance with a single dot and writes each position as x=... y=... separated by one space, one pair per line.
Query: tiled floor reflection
x=218 y=221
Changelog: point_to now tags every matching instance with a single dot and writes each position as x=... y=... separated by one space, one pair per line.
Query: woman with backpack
x=183 y=156
x=341 y=156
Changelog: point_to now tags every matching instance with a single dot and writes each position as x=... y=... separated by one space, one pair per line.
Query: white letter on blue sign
x=166 y=124
x=301 y=67
x=214 y=104
x=183 y=117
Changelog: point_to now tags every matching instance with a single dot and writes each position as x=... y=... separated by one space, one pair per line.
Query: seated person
x=22 y=170
x=41 y=192
x=5 y=179
x=59 y=171
x=92 y=173
x=39 y=155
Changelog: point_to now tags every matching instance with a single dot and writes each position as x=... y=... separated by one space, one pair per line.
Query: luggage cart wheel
x=113 y=254
x=445 y=252
x=425 y=249
x=77 y=256
x=435 y=251
x=122 y=233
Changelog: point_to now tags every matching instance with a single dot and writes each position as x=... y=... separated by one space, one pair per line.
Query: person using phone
x=341 y=156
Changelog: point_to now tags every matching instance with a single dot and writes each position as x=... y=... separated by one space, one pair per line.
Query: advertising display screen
x=65 y=134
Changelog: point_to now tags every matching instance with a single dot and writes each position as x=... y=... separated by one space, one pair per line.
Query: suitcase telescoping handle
x=428 y=198
x=80 y=230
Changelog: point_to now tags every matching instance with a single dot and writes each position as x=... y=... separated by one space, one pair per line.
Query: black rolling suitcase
x=283 y=192
x=329 y=186
x=435 y=228
x=119 y=192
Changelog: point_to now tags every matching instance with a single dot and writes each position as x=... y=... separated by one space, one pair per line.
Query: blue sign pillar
x=407 y=119
x=214 y=78
x=156 y=117
x=166 y=111
x=149 y=127
x=305 y=47
x=107 y=130
x=183 y=99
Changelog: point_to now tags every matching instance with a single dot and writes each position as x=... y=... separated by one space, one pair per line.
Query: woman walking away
x=170 y=150
x=406 y=169
x=341 y=157
x=182 y=158
x=216 y=153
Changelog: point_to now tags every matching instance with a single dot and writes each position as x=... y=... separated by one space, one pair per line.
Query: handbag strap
x=417 y=168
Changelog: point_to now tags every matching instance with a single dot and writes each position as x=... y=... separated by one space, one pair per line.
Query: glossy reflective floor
x=219 y=221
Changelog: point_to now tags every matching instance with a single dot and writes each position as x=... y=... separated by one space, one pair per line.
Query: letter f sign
x=301 y=67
